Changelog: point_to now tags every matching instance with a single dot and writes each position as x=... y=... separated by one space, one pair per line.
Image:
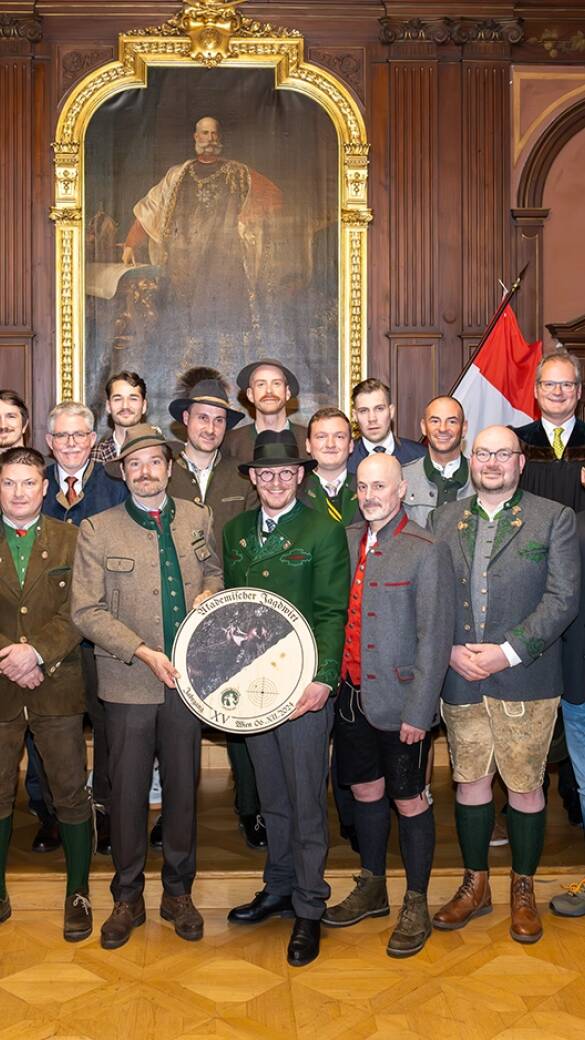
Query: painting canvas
x=211 y=234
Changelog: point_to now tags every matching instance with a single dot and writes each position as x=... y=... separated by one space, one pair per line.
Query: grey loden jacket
x=407 y=623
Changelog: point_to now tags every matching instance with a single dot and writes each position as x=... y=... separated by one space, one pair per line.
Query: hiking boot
x=78 y=920
x=369 y=898
x=124 y=917
x=567 y=904
x=186 y=917
x=526 y=925
x=472 y=899
x=412 y=928
x=5 y=909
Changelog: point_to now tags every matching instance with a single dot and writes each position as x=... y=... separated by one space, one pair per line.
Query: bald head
x=380 y=489
x=444 y=426
x=496 y=464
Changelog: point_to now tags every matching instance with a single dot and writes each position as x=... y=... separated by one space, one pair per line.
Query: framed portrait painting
x=219 y=216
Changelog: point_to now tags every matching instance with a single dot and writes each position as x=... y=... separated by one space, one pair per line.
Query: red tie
x=21 y=532
x=154 y=514
x=71 y=495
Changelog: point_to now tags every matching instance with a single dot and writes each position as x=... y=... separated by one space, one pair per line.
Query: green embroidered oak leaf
x=534 y=646
x=236 y=556
x=534 y=551
x=296 y=558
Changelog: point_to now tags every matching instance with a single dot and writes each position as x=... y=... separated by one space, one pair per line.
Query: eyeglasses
x=502 y=454
x=549 y=384
x=78 y=437
x=267 y=476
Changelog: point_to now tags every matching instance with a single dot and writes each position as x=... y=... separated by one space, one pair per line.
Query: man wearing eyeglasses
x=78 y=488
x=300 y=554
x=554 y=445
x=517 y=579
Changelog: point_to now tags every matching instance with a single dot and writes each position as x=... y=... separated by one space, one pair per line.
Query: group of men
x=430 y=579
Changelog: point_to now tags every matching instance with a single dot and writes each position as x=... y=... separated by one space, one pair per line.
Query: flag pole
x=495 y=318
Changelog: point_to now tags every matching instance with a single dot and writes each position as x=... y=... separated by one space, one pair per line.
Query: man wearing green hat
x=300 y=554
x=138 y=569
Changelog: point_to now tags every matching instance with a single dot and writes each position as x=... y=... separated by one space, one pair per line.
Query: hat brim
x=243 y=377
x=181 y=404
x=112 y=467
x=308 y=464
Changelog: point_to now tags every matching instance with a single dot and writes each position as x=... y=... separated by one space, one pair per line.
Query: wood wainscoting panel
x=414 y=373
x=15 y=367
x=15 y=192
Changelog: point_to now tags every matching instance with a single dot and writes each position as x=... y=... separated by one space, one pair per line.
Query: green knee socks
x=475 y=824
x=77 y=844
x=526 y=834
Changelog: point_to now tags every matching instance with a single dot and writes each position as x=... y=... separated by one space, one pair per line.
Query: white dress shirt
x=567 y=427
x=388 y=444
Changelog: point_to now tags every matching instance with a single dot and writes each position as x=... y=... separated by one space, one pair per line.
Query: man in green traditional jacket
x=41 y=683
x=293 y=551
x=330 y=488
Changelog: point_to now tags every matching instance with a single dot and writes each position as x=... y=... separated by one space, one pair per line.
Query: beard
x=208 y=149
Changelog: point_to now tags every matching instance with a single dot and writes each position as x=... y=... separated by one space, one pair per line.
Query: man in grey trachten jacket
x=397 y=645
x=442 y=475
x=517 y=572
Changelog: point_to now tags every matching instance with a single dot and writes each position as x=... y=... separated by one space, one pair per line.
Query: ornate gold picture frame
x=205 y=35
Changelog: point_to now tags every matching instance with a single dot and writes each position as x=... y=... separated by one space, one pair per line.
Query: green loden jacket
x=305 y=560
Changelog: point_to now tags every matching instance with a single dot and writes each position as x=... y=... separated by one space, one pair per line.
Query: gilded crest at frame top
x=206 y=34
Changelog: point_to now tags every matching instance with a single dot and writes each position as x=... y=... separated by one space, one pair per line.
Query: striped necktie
x=269 y=528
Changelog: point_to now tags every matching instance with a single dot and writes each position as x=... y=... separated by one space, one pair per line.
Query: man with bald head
x=517 y=572
x=397 y=644
x=442 y=474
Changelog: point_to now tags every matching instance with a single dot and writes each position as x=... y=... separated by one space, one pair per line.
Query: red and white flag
x=498 y=386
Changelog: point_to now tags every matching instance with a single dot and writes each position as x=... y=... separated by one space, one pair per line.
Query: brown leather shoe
x=78 y=920
x=124 y=917
x=188 y=921
x=526 y=925
x=472 y=899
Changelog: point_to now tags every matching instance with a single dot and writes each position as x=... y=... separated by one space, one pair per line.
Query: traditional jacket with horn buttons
x=406 y=623
x=117 y=601
x=305 y=559
x=39 y=613
x=529 y=592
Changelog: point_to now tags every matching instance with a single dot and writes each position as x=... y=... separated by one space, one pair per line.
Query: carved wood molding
x=544 y=153
x=13 y=28
x=459 y=31
x=348 y=64
x=74 y=64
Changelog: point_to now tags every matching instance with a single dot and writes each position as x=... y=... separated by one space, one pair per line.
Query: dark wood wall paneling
x=434 y=83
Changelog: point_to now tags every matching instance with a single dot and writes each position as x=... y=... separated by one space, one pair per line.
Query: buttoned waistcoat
x=306 y=560
x=116 y=599
x=407 y=623
x=421 y=494
x=39 y=614
x=228 y=492
x=533 y=581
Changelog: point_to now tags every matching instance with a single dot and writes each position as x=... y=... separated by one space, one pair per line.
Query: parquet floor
x=473 y=985
x=476 y=984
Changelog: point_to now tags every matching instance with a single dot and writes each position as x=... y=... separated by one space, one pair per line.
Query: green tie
x=557 y=444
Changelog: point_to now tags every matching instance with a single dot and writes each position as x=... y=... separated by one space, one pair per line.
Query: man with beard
x=517 y=572
x=269 y=386
x=373 y=412
x=205 y=222
x=138 y=569
x=13 y=420
x=126 y=405
x=442 y=475
x=201 y=475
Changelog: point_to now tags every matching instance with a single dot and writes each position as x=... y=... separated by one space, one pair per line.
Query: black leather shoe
x=304 y=942
x=102 y=822
x=254 y=830
x=262 y=906
x=47 y=838
x=156 y=834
